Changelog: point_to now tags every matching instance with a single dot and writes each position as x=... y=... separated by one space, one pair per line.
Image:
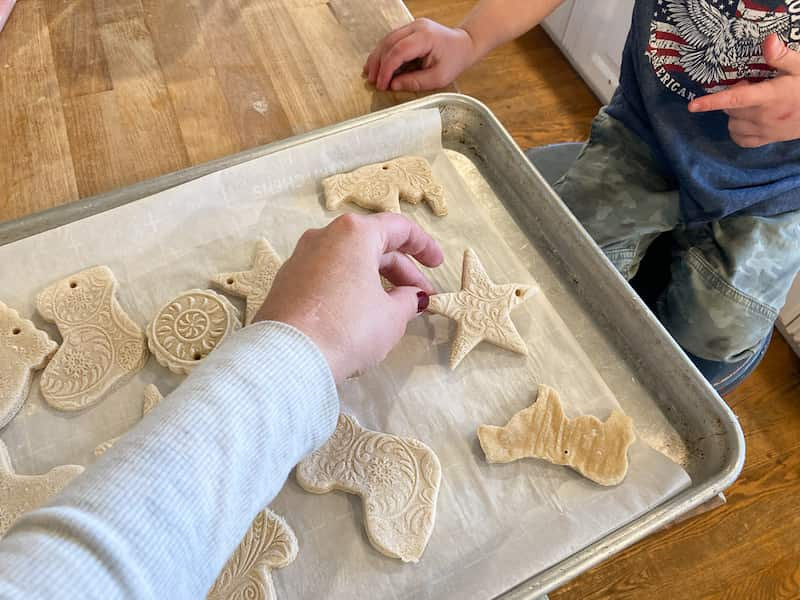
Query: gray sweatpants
x=729 y=278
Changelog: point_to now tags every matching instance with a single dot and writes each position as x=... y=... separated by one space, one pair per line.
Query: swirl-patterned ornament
x=23 y=350
x=397 y=478
x=380 y=187
x=253 y=285
x=482 y=310
x=101 y=345
x=189 y=327
x=269 y=544
x=22 y=493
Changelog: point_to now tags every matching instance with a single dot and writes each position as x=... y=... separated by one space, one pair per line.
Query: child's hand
x=445 y=53
x=766 y=112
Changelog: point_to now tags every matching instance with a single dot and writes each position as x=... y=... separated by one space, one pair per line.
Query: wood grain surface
x=97 y=94
x=749 y=548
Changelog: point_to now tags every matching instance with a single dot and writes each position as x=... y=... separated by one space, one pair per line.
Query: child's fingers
x=417 y=81
x=375 y=58
x=414 y=46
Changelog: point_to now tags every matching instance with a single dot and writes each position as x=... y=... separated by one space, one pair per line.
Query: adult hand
x=765 y=112
x=330 y=288
x=445 y=53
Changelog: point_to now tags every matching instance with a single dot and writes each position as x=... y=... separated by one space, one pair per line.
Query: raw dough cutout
x=23 y=350
x=22 y=493
x=152 y=397
x=269 y=544
x=101 y=345
x=189 y=327
x=597 y=450
x=397 y=478
x=381 y=186
x=482 y=310
x=255 y=283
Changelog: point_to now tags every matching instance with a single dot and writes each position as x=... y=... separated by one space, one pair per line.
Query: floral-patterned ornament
x=397 y=478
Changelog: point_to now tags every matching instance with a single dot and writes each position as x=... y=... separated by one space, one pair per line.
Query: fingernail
x=422 y=301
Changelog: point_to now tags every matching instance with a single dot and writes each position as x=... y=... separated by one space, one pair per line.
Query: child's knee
x=709 y=317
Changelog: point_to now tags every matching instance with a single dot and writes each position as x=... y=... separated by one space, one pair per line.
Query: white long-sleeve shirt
x=159 y=514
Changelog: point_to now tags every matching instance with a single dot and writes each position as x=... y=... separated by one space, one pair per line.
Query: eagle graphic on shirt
x=713 y=44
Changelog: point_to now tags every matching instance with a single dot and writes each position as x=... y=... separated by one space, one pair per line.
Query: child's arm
x=446 y=51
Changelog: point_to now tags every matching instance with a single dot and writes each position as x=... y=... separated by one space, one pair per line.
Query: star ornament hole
x=230 y=280
x=16 y=331
x=518 y=293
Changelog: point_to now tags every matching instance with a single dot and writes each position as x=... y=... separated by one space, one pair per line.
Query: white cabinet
x=592 y=35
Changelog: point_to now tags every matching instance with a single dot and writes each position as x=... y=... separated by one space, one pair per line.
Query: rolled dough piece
x=152 y=397
x=269 y=544
x=22 y=493
x=597 y=450
x=397 y=478
x=189 y=327
x=101 y=345
x=23 y=350
x=482 y=310
x=380 y=186
x=255 y=283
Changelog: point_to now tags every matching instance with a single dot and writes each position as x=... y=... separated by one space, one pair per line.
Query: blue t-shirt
x=679 y=49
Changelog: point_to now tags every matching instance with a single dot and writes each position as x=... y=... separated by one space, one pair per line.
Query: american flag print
x=705 y=46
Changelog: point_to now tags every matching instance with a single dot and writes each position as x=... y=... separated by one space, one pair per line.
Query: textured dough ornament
x=22 y=493
x=101 y=345
x=597 y=450
x=189 y=327
x=23 y=350
x=152 y=397
x=482 y=310
x=397 y=478
x=269 y=544
x=381 y=186
x=255 y=283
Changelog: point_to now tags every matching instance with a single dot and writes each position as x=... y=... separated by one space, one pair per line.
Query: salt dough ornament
x=23 y=350
x=152 y=397
x=189 y=327
x=397 y=478
x=255 y=283
x=22 y=493
x=101 y=345
x=381 y=186
x=482 y=310
x=269 y=544
x=597 y=450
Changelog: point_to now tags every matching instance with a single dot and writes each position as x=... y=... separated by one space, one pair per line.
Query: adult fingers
x=402 y=271
x=749 y=141
x=738 y=96
x=404 y=235
x=741 y=128
x=405 y=303
x=414 y=46
x=374 y=60
x=417 y=81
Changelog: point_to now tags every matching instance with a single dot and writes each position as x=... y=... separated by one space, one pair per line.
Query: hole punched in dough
x=481 y=310
x=24 y=349
x=380 y=187
x=254 y=284
x=397 y=478
x=269 y=544
x=101 y=345
x=596 y=449
x=189 y=327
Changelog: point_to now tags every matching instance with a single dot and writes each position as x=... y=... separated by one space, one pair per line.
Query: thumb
x=418 y=81
x=779 y=56
x=407 y=302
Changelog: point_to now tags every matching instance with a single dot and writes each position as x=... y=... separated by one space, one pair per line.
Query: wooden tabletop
x=98 y=94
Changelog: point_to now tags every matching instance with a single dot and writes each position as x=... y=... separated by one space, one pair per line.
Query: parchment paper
x=496 y=524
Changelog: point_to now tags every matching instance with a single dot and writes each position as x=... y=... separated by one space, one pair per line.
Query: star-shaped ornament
x=253 y=285
x=482 y=310
x=22 y=493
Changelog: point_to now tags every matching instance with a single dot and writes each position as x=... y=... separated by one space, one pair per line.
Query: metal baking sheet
x=635 y=357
